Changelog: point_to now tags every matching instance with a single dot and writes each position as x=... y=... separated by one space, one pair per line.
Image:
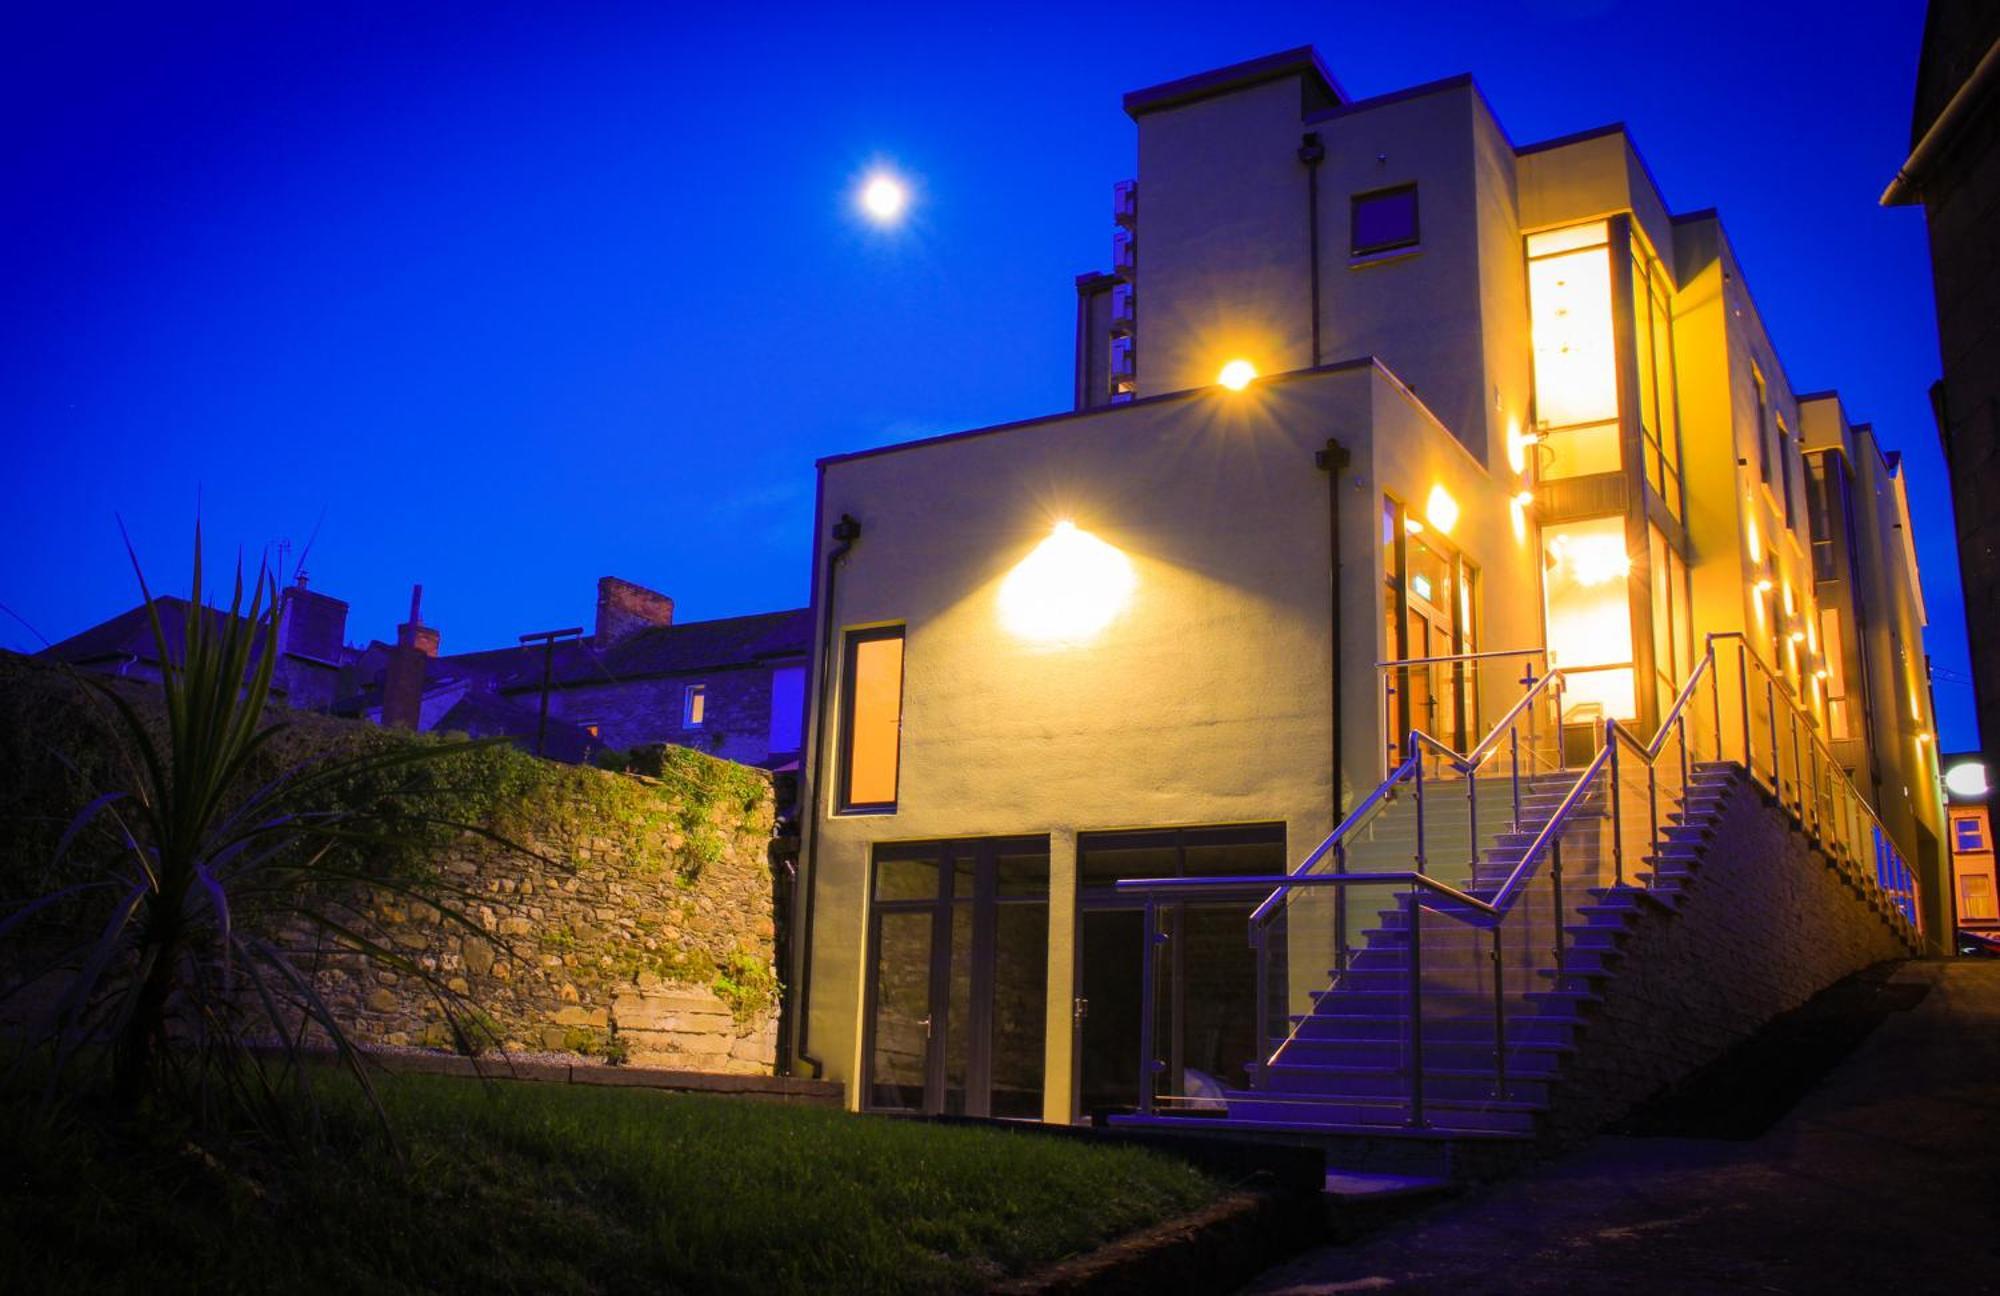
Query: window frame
x=1959 y=845
x=850 y=645
x=690 y=695
x=1355 y=250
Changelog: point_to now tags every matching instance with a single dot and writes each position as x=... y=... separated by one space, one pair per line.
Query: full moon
x=883 y=198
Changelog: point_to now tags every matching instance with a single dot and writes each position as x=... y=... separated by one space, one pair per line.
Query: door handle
x=1079 y=1009
x=927 y=1026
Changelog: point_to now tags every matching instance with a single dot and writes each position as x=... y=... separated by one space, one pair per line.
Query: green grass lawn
x=551 y=1188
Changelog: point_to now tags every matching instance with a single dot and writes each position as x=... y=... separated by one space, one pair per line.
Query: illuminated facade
x=1369 y=384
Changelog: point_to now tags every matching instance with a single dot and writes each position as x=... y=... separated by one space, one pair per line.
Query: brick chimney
x=409 y=663
x=310 y=624
x=624 y=609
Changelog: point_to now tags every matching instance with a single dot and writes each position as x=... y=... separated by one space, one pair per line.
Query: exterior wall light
x=1798 y=636
x=1237 y=374
x=1068 y=589
x=1441 y=510
x=1517 y=512
x=1966 y=779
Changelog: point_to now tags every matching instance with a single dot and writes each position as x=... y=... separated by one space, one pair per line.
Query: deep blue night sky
x=513 y=300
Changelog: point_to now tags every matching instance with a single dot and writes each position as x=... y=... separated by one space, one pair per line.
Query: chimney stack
x=624 y=609
x=310 y=624
x=409 y=663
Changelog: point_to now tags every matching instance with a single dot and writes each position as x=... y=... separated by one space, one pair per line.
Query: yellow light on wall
x=1517 y=446
x=1517 y=509
x=1067 y=590
x=1750 y=538
x=1441 y=510
x=1764 y=585
x=1790 y=607
x=1237 y=374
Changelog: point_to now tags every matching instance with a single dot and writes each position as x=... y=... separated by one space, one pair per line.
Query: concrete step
x=1440 y=1084
x=1527 y=1057
x=1455 y=1119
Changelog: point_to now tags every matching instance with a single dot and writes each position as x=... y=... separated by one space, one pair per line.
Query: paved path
x=1884 y=1178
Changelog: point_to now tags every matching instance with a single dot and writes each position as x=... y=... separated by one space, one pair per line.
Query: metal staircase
x=1444 y=1000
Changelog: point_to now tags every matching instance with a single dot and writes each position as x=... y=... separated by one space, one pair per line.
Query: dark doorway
x=958 y=977
x=1205 y=976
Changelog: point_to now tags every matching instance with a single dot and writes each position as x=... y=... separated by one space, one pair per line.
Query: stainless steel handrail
x=1494 y=654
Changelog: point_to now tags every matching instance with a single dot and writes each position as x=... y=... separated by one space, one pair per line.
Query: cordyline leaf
x=310 y=999
x=218 y=900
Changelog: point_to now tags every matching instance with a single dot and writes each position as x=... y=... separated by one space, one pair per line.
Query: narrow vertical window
x=871 y=703
x=694 y=707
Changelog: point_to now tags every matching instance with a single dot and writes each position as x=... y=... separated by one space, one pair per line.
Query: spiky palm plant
x=194 y=971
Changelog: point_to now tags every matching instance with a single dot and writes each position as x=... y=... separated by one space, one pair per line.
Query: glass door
x=958 y=977
x=1204 y=973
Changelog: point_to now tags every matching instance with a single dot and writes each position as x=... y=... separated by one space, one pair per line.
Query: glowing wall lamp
x=1237 y=374
x=1068 y=589
x=1517 y=508
x=1966 y=779
x=1441 y=510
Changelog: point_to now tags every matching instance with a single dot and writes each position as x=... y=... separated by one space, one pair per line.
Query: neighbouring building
x=734 y=686
x=1953 y=169
x=311 y=648
x=1401 y=453
x=1974 y=884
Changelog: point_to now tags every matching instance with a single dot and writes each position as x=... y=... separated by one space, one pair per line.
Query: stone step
x=1522 y=1027
x=1440 y=1083
x=1528 y=1057
x=1457 y=1119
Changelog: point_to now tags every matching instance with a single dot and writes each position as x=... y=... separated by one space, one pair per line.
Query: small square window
x=695 y=709
x=1968 y=834
x=1384 y=221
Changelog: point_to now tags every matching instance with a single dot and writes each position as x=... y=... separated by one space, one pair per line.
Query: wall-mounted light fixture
x=1237 y=374
x=1068 y=589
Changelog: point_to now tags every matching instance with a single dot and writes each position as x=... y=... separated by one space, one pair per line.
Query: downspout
x=1312 y=153
x=1907 y=187
x=1332 y=461
x=846 y=531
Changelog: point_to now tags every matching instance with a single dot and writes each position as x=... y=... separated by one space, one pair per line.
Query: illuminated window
x=1763 y=425
x=1652 y=338
x=1975 y=895
x=1586 y=572
x=1839 y=719
x=694 y=706
x=1968 y=834
x=871 y=713
x=1576 y=370
x=1384 y=221
x=1788 y=465
x=1673 y=641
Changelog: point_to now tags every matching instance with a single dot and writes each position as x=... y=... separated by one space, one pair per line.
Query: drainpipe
x=1312 y=153
x=846 y=532
x=1333 y=461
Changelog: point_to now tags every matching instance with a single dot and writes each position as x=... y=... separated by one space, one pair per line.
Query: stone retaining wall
x=606 y=946
x=1766 y=923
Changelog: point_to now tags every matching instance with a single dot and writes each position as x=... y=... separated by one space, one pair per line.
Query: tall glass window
x=1586 y=584
x=1653 y=342
x=1576 y=361
x=871 y=706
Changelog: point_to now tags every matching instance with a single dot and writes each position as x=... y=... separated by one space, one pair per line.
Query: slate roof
x=688 y=648
x=481 y=714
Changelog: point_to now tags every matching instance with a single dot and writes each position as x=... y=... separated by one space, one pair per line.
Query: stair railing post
x=1771 y=723
x=1743 y=679
x=1556 y=896
x=1416 y=1006
x=1715 y=694
x=1260 y=944
x=1499 y=1019
x=1471 y=819
x=1418 y=795
x=1617 y=807
x=1340 y=909
x=1514 y=757
x=1149 y=961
